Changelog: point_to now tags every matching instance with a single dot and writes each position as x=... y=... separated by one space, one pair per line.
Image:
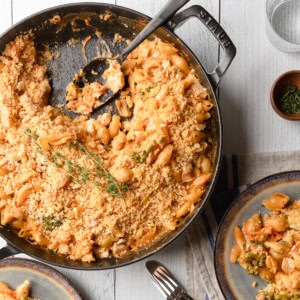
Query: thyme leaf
x=81 y=174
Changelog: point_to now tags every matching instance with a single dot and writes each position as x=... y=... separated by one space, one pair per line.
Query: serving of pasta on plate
x=21 y=292
x=95 y=188
x=269 y=246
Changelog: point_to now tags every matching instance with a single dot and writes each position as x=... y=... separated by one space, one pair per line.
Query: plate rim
x=46 y=270
x=250 y=191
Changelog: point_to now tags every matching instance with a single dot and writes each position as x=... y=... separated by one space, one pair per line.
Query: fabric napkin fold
x=237 y=172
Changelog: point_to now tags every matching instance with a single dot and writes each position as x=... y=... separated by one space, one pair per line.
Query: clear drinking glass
x=283 y=24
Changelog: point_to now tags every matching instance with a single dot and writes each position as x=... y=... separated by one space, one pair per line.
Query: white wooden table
x=250 y=125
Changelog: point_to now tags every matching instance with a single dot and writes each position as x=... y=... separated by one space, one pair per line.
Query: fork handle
x=180 y=294
x=162 y=17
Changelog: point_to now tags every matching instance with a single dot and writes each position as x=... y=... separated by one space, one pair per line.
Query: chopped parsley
x=253 y=262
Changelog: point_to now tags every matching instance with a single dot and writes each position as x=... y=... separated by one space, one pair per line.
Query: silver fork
x=166 y=282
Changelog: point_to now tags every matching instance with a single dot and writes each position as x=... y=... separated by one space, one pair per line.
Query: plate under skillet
x=45 y=282
x=233 y=280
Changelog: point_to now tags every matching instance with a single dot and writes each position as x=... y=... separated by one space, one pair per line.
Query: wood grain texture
x=22 y=9
x=5 y=15
x=250 y=124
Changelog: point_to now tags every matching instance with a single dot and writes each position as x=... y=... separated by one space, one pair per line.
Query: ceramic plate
x=234 y=281
x=45 y=282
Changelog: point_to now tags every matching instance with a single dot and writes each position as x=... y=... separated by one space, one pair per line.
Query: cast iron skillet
x=61 y=71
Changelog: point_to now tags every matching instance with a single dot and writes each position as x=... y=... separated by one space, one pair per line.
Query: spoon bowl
x=94 y=70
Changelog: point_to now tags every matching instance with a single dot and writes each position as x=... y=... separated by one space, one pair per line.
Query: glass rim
x=268 y=21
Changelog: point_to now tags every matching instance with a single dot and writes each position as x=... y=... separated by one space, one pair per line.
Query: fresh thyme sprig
x=80 y=174
x=112 y=186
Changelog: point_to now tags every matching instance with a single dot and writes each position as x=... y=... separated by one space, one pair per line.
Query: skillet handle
x=7 y=251
x=218 y=32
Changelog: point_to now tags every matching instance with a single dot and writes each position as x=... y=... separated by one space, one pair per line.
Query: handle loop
x=218 y=32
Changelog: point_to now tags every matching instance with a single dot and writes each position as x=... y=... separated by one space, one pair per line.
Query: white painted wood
x=250 y=124
x=133 y=282
x=22 y=9
x=5 y=15
x=198 y=38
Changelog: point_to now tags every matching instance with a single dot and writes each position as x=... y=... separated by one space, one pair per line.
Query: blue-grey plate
x=45 y=282
x=233 y=280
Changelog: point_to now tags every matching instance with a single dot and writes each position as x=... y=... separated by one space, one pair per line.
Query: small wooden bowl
x=278 y=89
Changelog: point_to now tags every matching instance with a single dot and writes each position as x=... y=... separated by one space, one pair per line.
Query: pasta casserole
x=95 y=188
x=269 y=246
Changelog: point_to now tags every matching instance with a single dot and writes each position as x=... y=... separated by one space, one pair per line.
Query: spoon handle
x=171 y=7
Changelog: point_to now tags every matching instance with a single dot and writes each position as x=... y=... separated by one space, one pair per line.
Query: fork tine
x=165 y=287
x=166 y=275
x=164 y=284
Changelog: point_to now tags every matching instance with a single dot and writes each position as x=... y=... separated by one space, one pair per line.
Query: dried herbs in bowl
x=290 y=101
x=285 y=95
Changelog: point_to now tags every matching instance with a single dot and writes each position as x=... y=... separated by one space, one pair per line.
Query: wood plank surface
x=22 y=9
x=250 y=124
x=5 y=15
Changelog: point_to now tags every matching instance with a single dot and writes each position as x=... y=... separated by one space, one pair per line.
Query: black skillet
x=61 y=70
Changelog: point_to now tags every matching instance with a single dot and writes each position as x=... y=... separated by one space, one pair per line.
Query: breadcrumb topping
x=90 y=188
